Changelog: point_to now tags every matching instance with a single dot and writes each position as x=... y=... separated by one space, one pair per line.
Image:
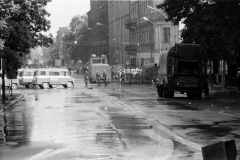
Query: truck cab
x=183 y=68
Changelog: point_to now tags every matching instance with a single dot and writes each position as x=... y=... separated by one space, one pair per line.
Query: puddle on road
x=205 y=132
x=13 y=129
x=82 y=99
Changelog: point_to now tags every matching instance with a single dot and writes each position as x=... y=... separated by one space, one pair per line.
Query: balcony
x=131 y=24
x=131 y=49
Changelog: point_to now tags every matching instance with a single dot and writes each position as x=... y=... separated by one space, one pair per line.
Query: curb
x=12 y=103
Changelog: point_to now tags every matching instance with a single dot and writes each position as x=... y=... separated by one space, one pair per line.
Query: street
x=109 y=122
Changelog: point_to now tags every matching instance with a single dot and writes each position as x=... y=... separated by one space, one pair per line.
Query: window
x=54 y=74
x=166 y=35
x=35 y=73
x=42 y=73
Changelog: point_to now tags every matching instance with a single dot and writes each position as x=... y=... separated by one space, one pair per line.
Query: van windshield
x=185 y=67
x=28 y=74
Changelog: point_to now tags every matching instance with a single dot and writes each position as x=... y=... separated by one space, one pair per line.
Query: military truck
x=98 y=64
x=183 y=68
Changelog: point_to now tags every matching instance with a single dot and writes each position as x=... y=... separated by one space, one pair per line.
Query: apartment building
x=98 y=26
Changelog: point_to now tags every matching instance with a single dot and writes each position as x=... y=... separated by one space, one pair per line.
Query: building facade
x=118 y=34
x=98 y=27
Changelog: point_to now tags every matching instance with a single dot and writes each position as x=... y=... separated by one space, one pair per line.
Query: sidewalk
x=221 y=99
x=10 y=101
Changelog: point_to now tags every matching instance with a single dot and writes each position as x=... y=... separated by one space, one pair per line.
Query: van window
x=42 y=73
x=54 y=74
x=28 y=74
x=21 y=74
x=35 y=73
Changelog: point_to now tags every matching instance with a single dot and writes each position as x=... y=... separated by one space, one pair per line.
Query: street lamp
x=146 y=19
x=100 y=24
x=150 y=7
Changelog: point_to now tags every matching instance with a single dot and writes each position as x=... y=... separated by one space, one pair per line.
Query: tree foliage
x=21 y=25
x=213 y=24
x=77 y=39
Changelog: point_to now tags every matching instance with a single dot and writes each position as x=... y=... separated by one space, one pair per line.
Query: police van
x=52 y=77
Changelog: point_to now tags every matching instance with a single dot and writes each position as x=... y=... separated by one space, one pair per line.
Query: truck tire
x=26 y=86
x=198 y=95
x=190 y=95
x=160 y=91
x=169 y=94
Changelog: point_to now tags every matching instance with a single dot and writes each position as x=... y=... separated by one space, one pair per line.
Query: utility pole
x=3 y=80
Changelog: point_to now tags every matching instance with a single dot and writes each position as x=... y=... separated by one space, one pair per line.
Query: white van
x=26 y=77
x=51 y=77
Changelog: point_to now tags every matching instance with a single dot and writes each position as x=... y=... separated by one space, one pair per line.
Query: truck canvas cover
x=188 y=52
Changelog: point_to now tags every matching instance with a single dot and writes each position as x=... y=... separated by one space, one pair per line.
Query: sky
x=62 y=11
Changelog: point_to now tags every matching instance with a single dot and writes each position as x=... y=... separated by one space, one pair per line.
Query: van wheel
x=45 y=85
x=26 y=86
x=69 y=84
x=30 y=85
x=160 y=91
x=52 y=85
x=14 y=86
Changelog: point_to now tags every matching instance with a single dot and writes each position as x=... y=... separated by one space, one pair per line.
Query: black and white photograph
x=119 y=80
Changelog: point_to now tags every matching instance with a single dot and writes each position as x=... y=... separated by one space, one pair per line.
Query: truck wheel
x=45 y=85
x=160 y=91
x=199 y=95
x=40 y=86
x=169 y=94
x=65 y=86
x=26 y=86
x=191 y=95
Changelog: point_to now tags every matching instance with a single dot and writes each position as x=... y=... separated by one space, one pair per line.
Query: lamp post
x=100 y=24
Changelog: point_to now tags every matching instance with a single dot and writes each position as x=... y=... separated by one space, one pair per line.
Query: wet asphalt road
x=113 y=122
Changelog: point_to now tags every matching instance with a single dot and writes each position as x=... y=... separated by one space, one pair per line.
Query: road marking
x=41 y=154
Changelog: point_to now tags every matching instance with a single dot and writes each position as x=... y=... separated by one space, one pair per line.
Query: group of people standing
x=129 y=76
x=98 y=77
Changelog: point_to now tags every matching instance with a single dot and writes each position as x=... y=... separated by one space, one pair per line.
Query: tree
x=21 y=25
x=213 y=24
x=77 y=40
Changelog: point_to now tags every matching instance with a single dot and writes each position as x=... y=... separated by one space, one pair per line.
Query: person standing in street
x=105 y=77
x=98 y=78
x=86 y=77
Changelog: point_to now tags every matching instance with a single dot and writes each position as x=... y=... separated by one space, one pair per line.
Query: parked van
x=26 y=77
x=51 y=77
x=9 y=81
